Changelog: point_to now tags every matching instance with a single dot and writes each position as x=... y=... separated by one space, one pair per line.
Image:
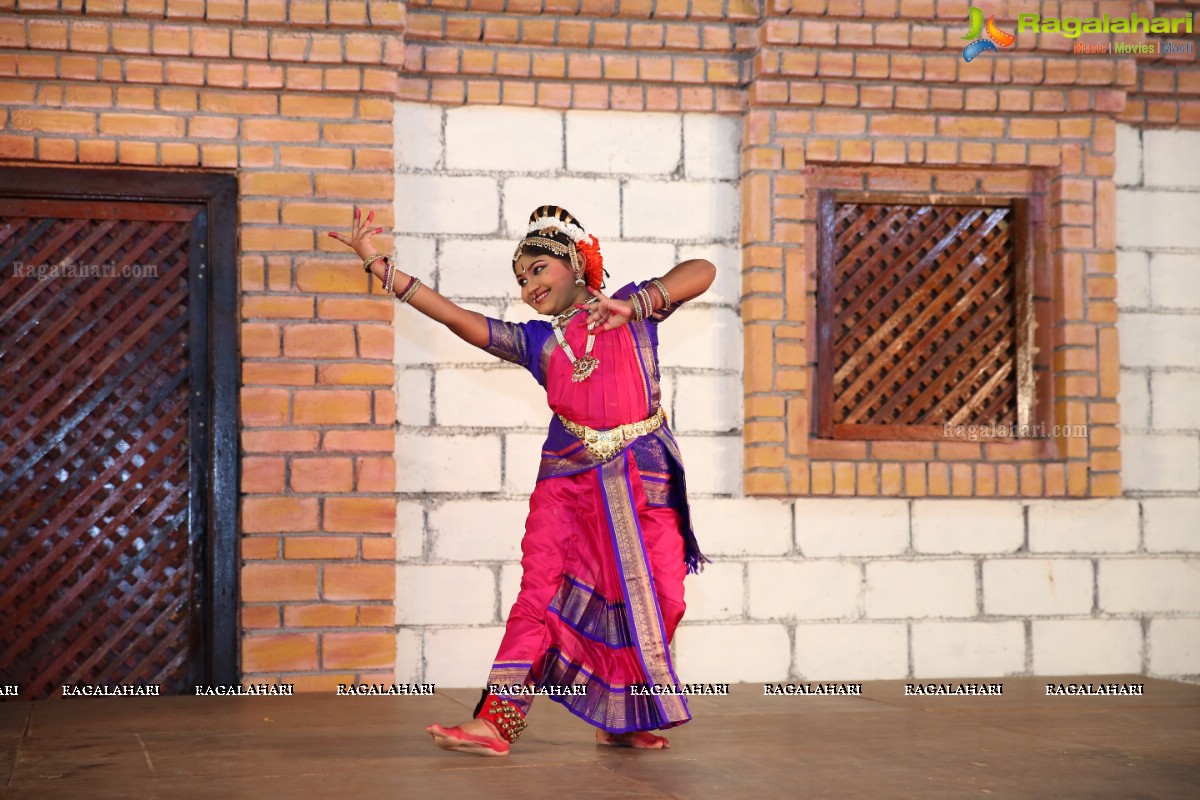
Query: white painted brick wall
x=739 y=527
x=719 y=593
x=1170 y=158
x=1037 y=587
x=919 y=589
x=1083 y=526
x=502 y=139
x=445 y=595
x=903 y=588
x=1174 y=646
x=968 y=649
x=460 y=656
x=1172 y=524
x=456 y=535
x=851 y=651
x=624 y=142
x=1142 y=585
x=967 y=526
x=732 y=653
x=851 y=527
x=805 y=590
x=439 y=463
x=1087 y=646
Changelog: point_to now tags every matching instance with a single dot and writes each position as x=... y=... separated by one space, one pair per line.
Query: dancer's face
x=547 y=283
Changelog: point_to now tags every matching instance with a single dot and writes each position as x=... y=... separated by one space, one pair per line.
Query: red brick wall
x=298 y=102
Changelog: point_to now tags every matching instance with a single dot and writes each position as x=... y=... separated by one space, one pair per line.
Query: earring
x=579 y=281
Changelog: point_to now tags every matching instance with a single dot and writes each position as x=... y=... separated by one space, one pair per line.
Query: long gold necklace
x=582 y=368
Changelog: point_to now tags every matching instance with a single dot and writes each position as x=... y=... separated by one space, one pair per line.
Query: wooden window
x=925 y=315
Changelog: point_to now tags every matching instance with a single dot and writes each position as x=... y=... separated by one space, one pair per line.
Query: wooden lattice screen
x=97 y=507
x=923 y=316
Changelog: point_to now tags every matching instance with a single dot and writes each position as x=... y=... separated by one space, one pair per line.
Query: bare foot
x=476 y=737
x=641 y=740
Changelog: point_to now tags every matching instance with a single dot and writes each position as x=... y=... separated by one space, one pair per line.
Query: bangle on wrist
x=414 y=283
x=370 y=260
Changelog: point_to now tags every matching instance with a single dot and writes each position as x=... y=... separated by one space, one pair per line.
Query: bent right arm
x=470 y=326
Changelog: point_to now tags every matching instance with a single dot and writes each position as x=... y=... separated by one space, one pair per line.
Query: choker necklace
x=582 y=367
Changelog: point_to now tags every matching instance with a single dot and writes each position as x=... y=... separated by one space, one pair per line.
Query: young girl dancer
x=608 y=539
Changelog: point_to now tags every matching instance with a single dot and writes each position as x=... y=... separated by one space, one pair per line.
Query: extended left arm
x=686 y=280
x=689 y=279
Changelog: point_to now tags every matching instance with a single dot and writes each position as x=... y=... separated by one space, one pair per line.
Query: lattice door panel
x=918 y=318
x=96 y=574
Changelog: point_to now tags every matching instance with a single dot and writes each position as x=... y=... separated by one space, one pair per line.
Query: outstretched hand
x=359 y=238
x=606 y=313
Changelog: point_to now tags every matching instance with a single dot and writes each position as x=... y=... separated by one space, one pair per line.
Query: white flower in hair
x=573 y=231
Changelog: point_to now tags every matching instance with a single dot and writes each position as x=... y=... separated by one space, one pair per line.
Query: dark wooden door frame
x=213 y=287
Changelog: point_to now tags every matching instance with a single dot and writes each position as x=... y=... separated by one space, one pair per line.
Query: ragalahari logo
x=995 y=36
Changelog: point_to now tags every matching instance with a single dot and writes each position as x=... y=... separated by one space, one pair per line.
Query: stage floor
x=880 y=745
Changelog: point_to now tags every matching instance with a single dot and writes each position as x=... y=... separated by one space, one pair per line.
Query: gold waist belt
x=607 y=443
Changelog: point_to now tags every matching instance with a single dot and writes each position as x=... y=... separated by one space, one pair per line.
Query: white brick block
x=1087 y=647
x=461 y=658
x=681 y=210
x=727 y=285
x=713 y=464
x=414 y=396
x=503 y=138
x=1134 y=398
x=596 y=202
x=1083 y=526
x=510 y=587
x=478 y=268
x=741 y=526
x=416 y=255
x=805 y=590
x=447 y=463
x=522 y=456
x=623 y=142
x=1175 y=280
x=852 y=652
x=851 y=527
x=444 y=595
x=420 y=340
x=1172 y=524
x=1041 y=586
x=630 y=262
x=968 y=649
x=717 y=594
x=1129 y=156
x=1133 y=279
x=712 y=146
x=478 y=530
x=502 y=397
x=1150 y=584
x=408 y=655
x=1160 y=339
x=732 y=653
x=967 y=526
x=1158 y=219
x=1161 y=462
x=701 y=338
x=902 y=589
x=447 y=204
x=1174 y=646
x=710 y=403
x=418 y=135
x=410 y=530
x=1176 y=400
x=1170 y=158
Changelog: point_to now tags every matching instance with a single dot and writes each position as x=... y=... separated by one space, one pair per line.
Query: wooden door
x=107 y=461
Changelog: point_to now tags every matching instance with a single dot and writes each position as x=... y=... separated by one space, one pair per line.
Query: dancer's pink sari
x=607 y=543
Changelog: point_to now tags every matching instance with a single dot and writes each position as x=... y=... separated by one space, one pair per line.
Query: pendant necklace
x=582 y=368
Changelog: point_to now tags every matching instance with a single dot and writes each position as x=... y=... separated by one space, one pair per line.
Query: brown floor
x=882 y=745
